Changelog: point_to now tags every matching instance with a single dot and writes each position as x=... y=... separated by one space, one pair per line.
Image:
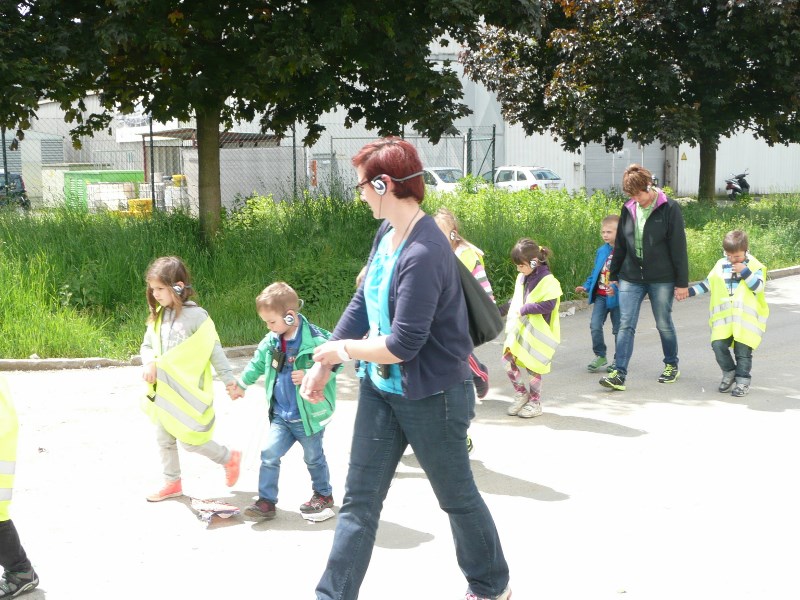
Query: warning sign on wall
x=683 y=156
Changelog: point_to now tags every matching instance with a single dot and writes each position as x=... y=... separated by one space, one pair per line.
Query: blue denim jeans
x=742 y=352
x=282 y=436
x=599 y=314
x=436 y=429
x=631 y=296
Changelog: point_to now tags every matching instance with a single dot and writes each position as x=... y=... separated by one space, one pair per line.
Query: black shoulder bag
x=485 y=322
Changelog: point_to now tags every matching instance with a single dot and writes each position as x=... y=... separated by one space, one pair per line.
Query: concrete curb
x=48 y=364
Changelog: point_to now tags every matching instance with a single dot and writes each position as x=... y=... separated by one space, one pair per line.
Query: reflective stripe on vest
x=183 y=397
x=742 y=316
x=8 y=448
x=531 y=340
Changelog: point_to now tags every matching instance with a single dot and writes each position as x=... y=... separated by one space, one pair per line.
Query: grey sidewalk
x=662 y=491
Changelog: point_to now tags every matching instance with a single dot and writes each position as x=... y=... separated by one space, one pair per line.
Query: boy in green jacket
x=283 y=357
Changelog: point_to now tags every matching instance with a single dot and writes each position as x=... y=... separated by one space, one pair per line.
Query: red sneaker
x=232 y=468
x=171 y=489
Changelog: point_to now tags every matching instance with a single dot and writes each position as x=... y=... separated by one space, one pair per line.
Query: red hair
x=396 y=158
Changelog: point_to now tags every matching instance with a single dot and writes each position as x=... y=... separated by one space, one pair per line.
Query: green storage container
x=75 y=183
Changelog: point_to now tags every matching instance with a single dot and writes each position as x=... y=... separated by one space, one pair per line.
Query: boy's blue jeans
x=599 y=314
x=631 y=296
x=282 y=436
x=436 y=428
x=742 y=352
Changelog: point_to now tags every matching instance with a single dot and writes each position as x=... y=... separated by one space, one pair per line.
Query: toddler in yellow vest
x=179 y=348
x=533 y=329
x=738 y=310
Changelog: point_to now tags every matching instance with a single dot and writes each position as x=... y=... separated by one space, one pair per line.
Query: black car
x=12 y=190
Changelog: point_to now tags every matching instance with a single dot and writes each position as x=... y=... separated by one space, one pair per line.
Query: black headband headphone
x=380 y=185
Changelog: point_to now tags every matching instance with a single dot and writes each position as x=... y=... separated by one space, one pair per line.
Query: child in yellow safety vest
x=179 y=348
x=533 y=329
x=738 y=310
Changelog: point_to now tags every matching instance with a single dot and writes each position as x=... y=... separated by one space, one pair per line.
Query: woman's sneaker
x=669 y=374
x=595 y=365
x=614 y=380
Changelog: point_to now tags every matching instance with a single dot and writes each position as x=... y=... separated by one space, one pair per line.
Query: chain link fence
x=126 y=168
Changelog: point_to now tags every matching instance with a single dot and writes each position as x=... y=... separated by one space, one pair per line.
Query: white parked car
x=442 y=179
x=514 y=178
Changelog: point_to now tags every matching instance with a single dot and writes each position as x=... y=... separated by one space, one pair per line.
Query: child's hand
x=297 y=376
x=580 y=290
x=149 y=372
x=738 y=267
x=234 y=391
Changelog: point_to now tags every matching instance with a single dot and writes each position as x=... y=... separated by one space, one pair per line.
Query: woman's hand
x=313 y=385
x=328 y=353
x=149 y=372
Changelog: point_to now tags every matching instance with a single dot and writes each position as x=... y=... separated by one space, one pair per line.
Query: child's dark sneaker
x=261 y=509
x=614 y=380
x=740 y=389
x=728 y=378
x=318 y=503
x=595 y=365
x=14 y=584
x=669 y=374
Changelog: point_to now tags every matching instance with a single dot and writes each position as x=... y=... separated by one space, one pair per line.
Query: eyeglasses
x=360 y=185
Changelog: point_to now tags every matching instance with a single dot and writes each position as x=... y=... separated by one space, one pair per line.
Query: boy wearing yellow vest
x=19 y=576
x=738 y=310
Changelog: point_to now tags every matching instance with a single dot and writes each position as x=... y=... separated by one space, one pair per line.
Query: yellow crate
x=140 y=205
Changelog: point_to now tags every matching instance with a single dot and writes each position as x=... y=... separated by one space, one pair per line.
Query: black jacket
x=665 y=258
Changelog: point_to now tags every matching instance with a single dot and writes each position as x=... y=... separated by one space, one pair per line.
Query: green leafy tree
x=282 y=62
x=673 y=71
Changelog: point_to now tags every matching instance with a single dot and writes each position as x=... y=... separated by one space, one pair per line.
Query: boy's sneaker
x=669 y=374
x=14 y=584
x=520 y=400
x=171 y=489
x=728 y=378
x=595 y=365
x=531 y=409
x=470 y=445
x=261 y=509
x=318 y=503
x=740 y=389
x=232 y=468
x=614 y=380
x=506 y=595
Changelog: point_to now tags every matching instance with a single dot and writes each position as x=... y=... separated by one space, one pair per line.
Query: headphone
x=289 y=319
x=177 y=289
x=380 y=185
x=533 y=263
x=453 y=235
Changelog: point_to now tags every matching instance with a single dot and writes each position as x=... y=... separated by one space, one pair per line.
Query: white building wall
x=772 y=170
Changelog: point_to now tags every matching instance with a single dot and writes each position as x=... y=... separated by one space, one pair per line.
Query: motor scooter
x=736 y=185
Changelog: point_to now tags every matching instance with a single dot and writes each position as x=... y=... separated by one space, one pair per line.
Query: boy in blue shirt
x=602 y=294
x=283 y=357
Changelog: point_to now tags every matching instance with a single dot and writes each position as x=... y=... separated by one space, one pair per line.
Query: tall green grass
x=71 y=284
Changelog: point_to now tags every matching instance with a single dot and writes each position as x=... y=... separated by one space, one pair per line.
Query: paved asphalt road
x=662 y=491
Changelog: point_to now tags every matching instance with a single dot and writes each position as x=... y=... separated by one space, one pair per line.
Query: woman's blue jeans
x=282 y=436
x=436 y=429
x=631 y=296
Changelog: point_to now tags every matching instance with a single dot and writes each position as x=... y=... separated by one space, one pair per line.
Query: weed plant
x=72 y=283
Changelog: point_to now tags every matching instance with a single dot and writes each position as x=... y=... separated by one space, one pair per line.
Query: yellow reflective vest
x=531 y=339
x=8 y=448
x=742 y=315
x=183 y=395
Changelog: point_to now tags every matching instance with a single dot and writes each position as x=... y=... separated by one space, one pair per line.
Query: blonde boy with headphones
x=283 y=357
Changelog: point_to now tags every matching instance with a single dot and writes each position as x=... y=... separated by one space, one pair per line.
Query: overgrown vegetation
x=72 y=284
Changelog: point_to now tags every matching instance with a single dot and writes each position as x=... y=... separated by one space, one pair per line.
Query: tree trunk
x=208 y=177
x=708 y=170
